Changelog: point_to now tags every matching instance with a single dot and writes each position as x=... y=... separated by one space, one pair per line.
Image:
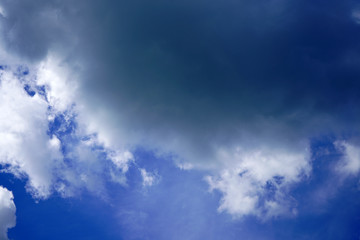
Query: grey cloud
x=194 y=76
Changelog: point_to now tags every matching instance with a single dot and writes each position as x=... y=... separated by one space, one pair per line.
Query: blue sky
x=179 y=120
x=181 y=208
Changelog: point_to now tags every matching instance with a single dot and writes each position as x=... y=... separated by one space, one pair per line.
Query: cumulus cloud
x=7 y=212
x=258 y=183
x=197 y=80
x=25 y=146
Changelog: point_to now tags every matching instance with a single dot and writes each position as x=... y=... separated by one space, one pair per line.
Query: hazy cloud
x=349 y=163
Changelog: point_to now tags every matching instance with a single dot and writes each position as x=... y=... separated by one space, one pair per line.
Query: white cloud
x=240 y=194
x=257 y=183
x=59 y=81
x=184 y=165
x=7 y=212
x=349 y=163
x=26 y=148
x=121 y=159
x=148 y=178
x=24 y=143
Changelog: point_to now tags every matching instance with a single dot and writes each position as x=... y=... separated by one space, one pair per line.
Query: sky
x=179 y=119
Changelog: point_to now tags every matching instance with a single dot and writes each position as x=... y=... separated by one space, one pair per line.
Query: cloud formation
x=43 y=141
x=25 y=146
x=7 y=212
x=258 y=184
x=200 y=80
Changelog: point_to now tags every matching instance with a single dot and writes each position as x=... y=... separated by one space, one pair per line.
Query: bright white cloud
x=257 y=183
x=24 y=143
x=240 y=194
x=7 y=212
x=60 y=84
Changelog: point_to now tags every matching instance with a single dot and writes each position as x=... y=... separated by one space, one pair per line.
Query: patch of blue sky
x=63 y=124
x=30 y=86
x=29 y=90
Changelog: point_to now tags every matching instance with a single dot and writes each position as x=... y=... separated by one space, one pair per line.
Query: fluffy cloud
x=25 y=146
x=7 y=212
x=257 y=184
x=42 y=141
